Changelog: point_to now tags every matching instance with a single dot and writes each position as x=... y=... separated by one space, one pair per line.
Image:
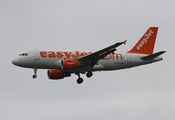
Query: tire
x=79 y=80
x=34 y=76
x=89 y=74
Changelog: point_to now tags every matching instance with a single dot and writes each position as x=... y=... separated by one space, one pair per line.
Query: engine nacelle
x=57 y=74
x=68 y=64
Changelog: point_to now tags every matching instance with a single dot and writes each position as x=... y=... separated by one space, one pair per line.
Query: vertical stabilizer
x=146 y=43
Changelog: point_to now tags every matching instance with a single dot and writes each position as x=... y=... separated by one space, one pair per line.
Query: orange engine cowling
x=57 y=74
x=68 y=64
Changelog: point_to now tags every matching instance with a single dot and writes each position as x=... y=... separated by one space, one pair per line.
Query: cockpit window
x=23 y=54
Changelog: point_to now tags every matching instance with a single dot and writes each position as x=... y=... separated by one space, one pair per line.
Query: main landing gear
x=89 y=74
x=35 y=71
x=80 y=80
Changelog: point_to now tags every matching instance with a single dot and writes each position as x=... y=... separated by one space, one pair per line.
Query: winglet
x=124 y=42
x=146 y=43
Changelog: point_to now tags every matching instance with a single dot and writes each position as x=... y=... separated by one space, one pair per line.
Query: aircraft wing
x=92 y=59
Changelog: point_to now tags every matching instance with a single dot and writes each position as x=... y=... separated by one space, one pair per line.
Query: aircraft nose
x=15 y=62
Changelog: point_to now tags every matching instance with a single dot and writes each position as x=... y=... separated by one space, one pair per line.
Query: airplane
x=61 y=64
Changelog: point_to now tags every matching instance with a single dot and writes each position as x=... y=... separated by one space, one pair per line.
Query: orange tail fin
x=146 y=43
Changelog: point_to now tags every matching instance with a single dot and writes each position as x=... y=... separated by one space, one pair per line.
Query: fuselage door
x=36 y=54
x=129 y=58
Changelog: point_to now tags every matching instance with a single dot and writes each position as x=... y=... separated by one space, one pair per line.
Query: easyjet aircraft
x=62 y=64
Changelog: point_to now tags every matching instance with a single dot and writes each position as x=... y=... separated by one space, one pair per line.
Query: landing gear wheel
x=79 y=80
x=89 y=74
x=35 y=71
x=34 y=76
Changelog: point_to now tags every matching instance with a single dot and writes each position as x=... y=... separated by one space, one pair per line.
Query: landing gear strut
x=35 y=71
x=79 y=80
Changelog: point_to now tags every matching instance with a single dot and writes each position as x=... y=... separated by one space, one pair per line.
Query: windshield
x=23 y=54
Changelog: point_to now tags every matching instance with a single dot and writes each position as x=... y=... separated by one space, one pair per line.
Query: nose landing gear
x=35 y=71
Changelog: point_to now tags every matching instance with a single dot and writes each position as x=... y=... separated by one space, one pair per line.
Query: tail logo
x=145 y=39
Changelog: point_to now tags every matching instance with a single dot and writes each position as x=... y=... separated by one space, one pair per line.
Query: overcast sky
x=141 y=93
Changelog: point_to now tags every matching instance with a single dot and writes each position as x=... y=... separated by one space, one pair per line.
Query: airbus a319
x=62 y=64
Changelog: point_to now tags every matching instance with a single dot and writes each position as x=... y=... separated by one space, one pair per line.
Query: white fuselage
x=115 y=61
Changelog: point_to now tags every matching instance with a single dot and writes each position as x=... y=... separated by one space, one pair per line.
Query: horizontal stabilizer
x=152 y=56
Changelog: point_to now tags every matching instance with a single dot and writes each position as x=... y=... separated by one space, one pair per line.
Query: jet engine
x=68 y=64
x=57 y=74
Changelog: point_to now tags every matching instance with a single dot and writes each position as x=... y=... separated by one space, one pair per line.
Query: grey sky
x=145 y=92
